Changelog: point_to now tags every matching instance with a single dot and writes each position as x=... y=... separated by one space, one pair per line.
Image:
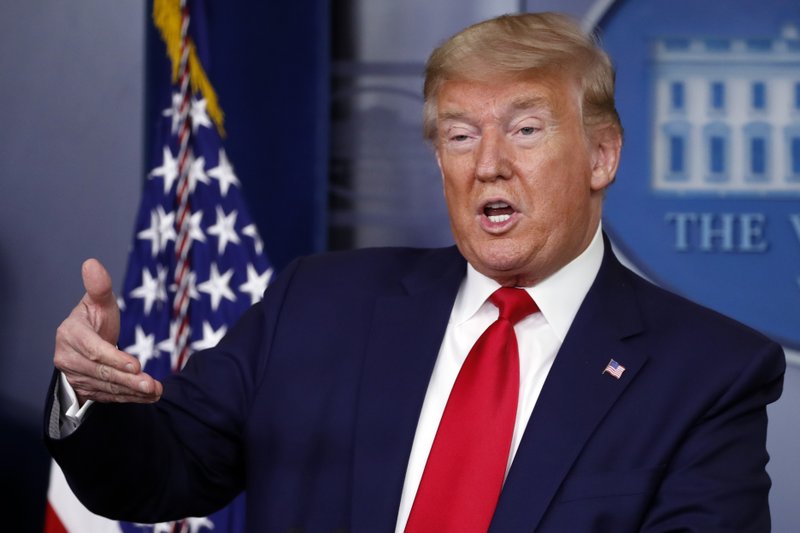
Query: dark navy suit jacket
x=311 y=401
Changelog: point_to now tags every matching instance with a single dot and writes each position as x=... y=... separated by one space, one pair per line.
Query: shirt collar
x=558 y=296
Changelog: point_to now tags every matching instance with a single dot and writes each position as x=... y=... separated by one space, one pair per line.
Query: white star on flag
x=196 y=227
x=143 y=348
x=217 y=286
x=223 y=173
x=168 y=170
x=193 y=524
x=211 y=337
x=199 y=115
x=197 y=173
x=161 y=527
x=196 y=523
x=168 y=344
x=174 y=111
x=161 y=230
x=152 y=288
x=152 y=234
x=224 y=229
x=256 y=284
x=251 y=231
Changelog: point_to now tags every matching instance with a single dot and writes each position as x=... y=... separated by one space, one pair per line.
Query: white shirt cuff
x=71 y=413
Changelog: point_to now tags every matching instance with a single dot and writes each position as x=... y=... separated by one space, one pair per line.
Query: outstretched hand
x=86 y=349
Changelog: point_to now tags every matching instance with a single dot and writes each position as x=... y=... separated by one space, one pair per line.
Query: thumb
x=97 y=283
x=100 y=305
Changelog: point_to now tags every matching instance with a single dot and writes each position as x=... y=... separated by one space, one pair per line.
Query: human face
x=522 y=179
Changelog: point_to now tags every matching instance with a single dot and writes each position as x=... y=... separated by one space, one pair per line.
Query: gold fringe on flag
x=167 y=18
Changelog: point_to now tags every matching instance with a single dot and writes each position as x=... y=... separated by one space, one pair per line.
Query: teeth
x=497 y=205
x=499 y=218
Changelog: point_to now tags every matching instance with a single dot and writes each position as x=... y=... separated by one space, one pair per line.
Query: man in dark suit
x=633 y=409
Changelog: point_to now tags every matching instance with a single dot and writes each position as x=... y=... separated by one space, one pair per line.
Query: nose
x=492 y=157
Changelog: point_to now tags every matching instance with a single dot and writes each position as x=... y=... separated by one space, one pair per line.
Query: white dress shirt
x=539 y=337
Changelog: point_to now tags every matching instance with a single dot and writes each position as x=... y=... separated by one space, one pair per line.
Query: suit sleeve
x=182 y=456
x=716 y=479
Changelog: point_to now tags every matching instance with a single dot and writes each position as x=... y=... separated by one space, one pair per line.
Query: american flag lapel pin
x=614 y=368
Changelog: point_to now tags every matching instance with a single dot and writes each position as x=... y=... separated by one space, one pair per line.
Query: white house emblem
x=707 y=200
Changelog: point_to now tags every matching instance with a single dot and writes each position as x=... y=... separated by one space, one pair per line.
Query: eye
x=459 y=138
x=528 y=130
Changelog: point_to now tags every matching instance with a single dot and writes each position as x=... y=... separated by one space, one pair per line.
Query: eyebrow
x=452 y=115
x=528 y=102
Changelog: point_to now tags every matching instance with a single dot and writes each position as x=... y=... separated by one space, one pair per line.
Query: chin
x=499 y=266
x=496 y=255
x=501 y=254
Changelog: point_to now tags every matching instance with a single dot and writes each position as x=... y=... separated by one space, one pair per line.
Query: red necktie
x=467 y=464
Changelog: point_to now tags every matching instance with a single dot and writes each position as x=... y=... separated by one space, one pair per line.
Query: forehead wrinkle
x=519 y=104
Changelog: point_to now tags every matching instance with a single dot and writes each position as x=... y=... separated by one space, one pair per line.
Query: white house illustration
x=727 y=114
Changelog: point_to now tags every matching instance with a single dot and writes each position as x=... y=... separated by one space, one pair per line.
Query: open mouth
x=498 y=212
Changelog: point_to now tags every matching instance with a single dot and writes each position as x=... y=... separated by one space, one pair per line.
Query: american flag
x=614 y=368
x=226 y=271
x=191 y=201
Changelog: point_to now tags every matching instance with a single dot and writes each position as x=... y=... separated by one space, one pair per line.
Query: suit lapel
x=404 y=341
x=575 y=398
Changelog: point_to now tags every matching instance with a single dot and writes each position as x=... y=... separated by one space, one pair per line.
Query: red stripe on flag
x=52 y=523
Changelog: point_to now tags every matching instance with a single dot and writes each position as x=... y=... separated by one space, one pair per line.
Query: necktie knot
x=514 y=304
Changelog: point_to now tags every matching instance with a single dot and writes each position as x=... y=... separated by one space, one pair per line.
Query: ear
x=606 y=145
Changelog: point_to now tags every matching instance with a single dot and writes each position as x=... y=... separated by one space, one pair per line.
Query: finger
x=73 y=363
x=97 y=283
x=116 y=382
x=108 y=384
x=108 y=397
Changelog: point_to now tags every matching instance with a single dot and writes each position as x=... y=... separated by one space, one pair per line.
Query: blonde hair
x=520 y=45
